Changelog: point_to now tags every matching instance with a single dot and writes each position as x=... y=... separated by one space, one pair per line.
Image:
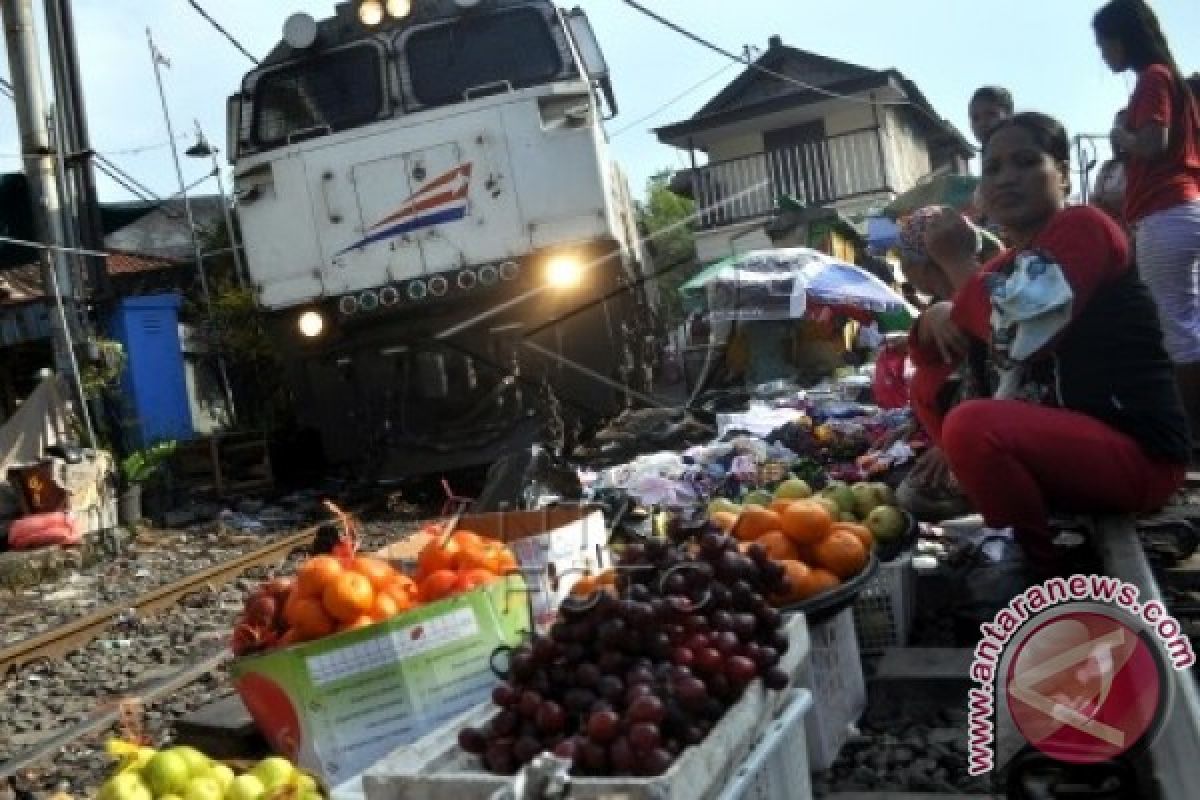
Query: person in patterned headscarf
x=930 y=491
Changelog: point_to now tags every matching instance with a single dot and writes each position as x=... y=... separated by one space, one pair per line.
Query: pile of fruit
x=343 y=591
x=184 y=773
x=820 y=540
x=644 y=666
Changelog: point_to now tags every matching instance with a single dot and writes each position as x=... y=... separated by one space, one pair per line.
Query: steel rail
x=63 y=639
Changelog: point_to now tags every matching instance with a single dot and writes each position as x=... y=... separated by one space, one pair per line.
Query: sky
x=1043 y=50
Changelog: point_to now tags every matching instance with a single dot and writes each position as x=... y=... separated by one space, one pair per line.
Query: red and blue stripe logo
x=443 y=199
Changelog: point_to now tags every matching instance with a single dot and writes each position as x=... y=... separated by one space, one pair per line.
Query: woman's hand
x=953 y=243
x=936 y=327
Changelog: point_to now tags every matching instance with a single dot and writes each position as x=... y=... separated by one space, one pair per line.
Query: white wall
x=719 y=243
x=743 y=144
x=851 y=118
x=906 y=151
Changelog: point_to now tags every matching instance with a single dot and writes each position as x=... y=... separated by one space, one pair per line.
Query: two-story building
x=827 y=133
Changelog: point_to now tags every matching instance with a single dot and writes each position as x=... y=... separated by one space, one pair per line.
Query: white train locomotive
x=434 y=225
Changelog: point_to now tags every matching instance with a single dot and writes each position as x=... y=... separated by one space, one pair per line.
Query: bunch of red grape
x=626 y=680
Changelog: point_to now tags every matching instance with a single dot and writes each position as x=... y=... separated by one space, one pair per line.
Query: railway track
x=57 y=642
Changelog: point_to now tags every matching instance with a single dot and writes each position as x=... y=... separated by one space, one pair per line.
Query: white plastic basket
x=777 y=767
x=883 y=610
x=834 y=676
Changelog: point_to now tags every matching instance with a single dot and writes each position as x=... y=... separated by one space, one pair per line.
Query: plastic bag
x=44 y=530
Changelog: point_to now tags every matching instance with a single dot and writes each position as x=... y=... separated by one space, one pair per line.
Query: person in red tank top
x=1161 y=139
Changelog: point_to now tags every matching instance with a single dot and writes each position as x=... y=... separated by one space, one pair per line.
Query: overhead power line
x=222 y=31
x=670 y=102
x=752 y=64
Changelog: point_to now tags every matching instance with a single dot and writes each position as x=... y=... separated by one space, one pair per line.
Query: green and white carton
x=337 y=705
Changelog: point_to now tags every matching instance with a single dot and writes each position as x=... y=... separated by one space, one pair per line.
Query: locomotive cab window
x=322 y=95
x=478 y=54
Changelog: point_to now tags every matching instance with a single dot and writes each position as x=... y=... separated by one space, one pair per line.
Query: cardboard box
x=337 y=705
x=555 y=547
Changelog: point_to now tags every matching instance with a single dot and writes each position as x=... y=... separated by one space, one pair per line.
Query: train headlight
x=371 y=13
x=399 y=9
x=311 y=324
x=564 y=272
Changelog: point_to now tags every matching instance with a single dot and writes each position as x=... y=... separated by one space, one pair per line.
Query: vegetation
x=666 y=220
x=141 y=465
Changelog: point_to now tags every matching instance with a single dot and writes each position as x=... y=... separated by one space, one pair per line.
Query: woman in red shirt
x=1082 y=413
x=1161 y=139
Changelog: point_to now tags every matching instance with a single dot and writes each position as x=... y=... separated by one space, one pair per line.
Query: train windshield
x=332 y=92
x=452 y=62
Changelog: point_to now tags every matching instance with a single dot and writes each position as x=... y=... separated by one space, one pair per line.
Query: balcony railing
x=815 y=173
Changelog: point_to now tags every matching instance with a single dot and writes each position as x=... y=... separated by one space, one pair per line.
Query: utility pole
x=74 y=142
x=38 y=157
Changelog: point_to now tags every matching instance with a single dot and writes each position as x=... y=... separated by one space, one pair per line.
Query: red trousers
x=1018 y=461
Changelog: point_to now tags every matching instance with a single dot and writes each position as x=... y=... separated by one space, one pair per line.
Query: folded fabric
x=1031 y=305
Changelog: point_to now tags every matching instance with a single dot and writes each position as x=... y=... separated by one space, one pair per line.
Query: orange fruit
x=349 y=597
x=308 y=618
x=467 y=539
x=485 y=555
x=507 y=562
x=724 y=520
x=841 y=553
x=473 y=578
x=376 y=570
x=317 y=573
x=755 y=521
x=778 y=546
x=861 y=531
x=781 y=505
x=438 y=555
x=437 y=585
x=386 y=606
x=823 y=579
x=402 y=587
x=585 y=586
x=356 y=623
x=798 y=581
x=806 y=522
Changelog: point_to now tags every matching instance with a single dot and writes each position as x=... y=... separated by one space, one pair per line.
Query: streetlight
x=202 y=149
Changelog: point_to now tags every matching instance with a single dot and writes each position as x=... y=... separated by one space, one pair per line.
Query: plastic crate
x=834 y=676
x=883 y=611
x=777 y=767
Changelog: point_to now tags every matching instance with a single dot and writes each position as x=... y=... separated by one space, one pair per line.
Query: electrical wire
x=222 y=31
x=752 y=64
x=670 y=102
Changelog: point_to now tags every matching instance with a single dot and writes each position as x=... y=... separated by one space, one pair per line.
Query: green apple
x=883 y=494
x=759 y=498
x=223 y=775
x=123 y=786
x=274 y=772
x=866 y=498
x=245 y=787
x=847 y=517
x=829 y=504
x=886 y=523
x=204 y=788
x=793 y=489
x=166 y=773
x=723 y=504
x=841 y=494
x=198 y=763
x=305 y=782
